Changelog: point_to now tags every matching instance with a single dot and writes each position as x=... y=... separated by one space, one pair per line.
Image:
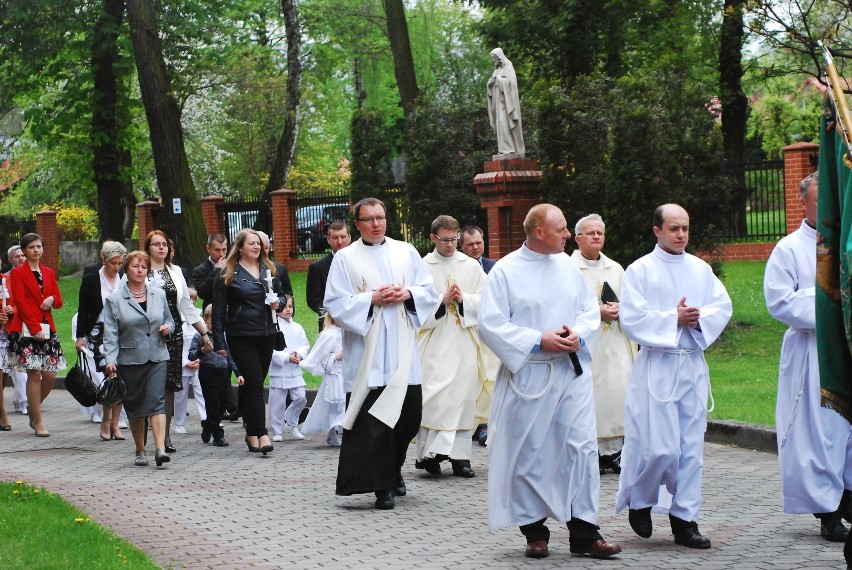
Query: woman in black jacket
x=245 y=299
x=95 y=287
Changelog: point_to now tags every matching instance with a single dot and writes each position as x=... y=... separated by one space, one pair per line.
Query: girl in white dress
x=326 y=360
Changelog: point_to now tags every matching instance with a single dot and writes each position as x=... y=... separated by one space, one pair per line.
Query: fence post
x=283 y=205
x=145 y=214
x=214 y=222
x=800 y=159
x=46 y=228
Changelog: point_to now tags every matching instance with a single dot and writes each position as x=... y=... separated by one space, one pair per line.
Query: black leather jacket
x=240 y=309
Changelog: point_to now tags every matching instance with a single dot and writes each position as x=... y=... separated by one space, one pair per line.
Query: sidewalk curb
x=741 y=434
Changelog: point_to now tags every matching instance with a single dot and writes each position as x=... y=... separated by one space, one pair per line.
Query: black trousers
x=372 y=454
x=215 y=384
x=252 y=355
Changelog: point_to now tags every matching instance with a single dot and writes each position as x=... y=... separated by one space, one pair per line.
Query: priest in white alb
x=540 y=318
x=380 y=293
x=812 y=440
x=675 y=308
x=614 y=352
x=449 y=355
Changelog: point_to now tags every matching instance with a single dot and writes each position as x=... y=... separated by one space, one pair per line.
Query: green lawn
x=744 y=361
x=39 y=529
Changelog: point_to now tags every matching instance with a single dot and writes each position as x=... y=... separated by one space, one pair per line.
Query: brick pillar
x=800 y=159
x=214 y=221
x=147 y=214
x=507 y=189
x=46 y=228
x=284 y=244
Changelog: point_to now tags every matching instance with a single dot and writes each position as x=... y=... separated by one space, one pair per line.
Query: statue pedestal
x=507 y=190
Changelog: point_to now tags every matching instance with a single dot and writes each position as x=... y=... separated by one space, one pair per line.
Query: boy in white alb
x=285 y=377
x=329 y=407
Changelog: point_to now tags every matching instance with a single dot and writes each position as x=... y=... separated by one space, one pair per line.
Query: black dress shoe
x=831 y=527
x=462 y=469
x=431 y=465
x=205 y=433
x=170 y=448
x=640 y=521
x=384 y=500
x=400 y=490
x=686 y=533
x=220 y=442
x=597 y=549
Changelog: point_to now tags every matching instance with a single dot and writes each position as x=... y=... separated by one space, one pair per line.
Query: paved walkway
x=226 y=508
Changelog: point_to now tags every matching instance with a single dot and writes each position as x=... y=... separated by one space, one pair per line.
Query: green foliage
x=74 y=223
x=444 y=148
x=621 y=147
x=778 y=120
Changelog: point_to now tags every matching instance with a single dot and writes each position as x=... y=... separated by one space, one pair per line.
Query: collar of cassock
x=668 y=257
x=365 y=242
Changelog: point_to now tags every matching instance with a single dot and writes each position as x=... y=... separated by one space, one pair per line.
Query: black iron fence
x=759 y=212
x=239 y=214
x=12 y=229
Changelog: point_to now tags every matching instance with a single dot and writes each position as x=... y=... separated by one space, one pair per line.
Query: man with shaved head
x=540 y=318
x=674 y=307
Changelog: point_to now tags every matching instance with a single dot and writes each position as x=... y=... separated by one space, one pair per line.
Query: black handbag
x=80 y=384
x=280 y=341
x=112 y=391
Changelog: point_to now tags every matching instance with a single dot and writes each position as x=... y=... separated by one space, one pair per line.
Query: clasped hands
x=687 y=316
x=609 y=311
x=453 y=295
x=390 y=295
x=553 y=341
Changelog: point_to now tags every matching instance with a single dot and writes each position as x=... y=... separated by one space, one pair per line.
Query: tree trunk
x=287 y=143
x=734 y=106
x=173 y=176
x=403 y=62
x=106 y=142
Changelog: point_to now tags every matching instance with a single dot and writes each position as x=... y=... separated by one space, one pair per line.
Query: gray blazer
x=131 y=335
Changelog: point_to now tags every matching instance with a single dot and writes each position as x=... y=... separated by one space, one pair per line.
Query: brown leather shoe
x=597 y=549
x=536 y=549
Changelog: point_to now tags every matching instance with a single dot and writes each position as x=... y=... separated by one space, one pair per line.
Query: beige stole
x=365 y=276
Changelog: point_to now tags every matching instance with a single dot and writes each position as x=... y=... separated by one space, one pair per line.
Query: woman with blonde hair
x=245 y=299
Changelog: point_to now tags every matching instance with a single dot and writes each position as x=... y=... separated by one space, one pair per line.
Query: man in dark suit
x=203 y=277
x=473 y=245
x=204 y=274
x=338 y=237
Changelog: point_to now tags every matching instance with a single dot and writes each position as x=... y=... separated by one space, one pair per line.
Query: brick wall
x=46 y=228
x=741 y=252
x=799 y=161
x=214 y=222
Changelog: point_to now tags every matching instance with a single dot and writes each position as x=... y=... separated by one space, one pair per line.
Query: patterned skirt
x=27 y=353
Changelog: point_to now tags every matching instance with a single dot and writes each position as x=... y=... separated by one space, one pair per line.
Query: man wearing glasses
x=449 y=352
x=380 y=293
x=614 y=352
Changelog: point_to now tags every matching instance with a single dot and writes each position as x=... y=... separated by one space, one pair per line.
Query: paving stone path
x=226 y=508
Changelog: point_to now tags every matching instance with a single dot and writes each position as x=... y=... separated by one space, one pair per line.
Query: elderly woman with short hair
x=95 y=287
x=136 y=323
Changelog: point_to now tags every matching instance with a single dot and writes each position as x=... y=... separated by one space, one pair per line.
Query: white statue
x=504 y=106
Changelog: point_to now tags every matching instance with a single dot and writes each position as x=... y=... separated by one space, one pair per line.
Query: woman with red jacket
x=33 y=344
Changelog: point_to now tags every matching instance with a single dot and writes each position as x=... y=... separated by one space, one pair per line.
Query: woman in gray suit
x=136 y=322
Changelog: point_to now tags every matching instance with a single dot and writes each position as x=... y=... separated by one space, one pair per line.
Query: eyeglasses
x=447 y=239
x=379 y=219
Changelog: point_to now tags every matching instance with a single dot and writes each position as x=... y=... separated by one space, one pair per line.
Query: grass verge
x=39 y=529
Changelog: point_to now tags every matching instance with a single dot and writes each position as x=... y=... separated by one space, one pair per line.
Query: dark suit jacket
x=317 y=277
x=487 y=264
x=90 y=303
x=282 y=277
x=202 y=281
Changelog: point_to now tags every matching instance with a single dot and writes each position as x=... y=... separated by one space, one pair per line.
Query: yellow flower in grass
x=19 y=482
x=16 y=492
x=78 y=520
x=36 y=491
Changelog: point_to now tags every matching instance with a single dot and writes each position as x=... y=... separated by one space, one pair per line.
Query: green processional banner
x=834 y=254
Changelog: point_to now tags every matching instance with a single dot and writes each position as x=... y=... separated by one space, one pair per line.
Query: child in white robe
x=286 y=378
x=190 y=377
x=326 y=360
